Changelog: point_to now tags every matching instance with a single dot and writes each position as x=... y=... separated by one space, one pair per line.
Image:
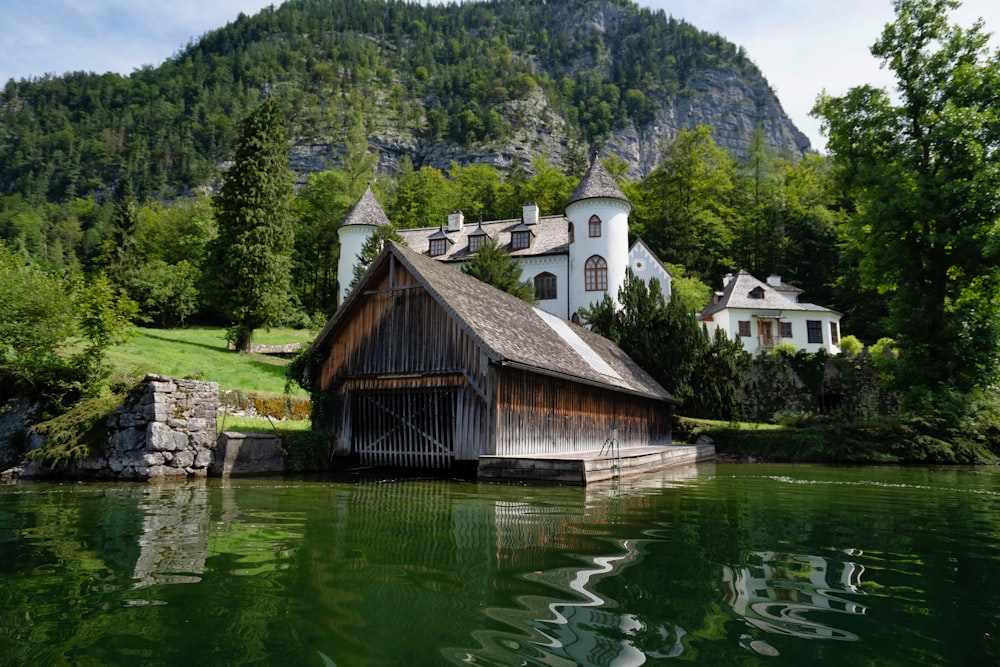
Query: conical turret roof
x=597 y=182
x=366 y=211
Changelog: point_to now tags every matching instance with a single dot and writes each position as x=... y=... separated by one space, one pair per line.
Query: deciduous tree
x=925 y=173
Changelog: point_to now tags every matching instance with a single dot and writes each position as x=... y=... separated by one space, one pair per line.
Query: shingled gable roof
x=366 y=212
x=597 y=182
x=737 y=295
x=510 y=331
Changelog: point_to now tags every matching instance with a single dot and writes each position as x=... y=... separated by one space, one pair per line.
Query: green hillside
x=459 y=74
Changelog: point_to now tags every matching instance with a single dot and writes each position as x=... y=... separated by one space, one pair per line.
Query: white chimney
x=529 y=213
x=726 y=279
x=455 y=220
x=774 y=280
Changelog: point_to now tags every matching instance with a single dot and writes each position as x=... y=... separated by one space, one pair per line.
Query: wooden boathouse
x=424 y=366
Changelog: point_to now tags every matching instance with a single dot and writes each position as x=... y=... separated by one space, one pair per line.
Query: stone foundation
x=166 y=430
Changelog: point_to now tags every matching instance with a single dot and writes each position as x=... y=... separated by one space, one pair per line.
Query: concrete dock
x=582 y=468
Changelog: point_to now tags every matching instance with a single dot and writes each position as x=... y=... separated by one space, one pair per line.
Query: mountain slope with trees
x=499 y=82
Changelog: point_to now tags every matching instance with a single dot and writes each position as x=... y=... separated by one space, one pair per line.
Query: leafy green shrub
x=306 y=450
x=272 y=406
x=280 y=407
x=850 y=345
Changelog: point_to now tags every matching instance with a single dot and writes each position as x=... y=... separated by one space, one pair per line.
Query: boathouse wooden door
x=411 y=427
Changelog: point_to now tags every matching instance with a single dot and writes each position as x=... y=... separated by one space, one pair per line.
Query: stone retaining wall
x=168 y=429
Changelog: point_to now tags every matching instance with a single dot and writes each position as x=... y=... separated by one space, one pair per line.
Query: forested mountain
x=499 y=82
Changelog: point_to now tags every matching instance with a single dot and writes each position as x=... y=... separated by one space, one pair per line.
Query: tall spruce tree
x=250 y=264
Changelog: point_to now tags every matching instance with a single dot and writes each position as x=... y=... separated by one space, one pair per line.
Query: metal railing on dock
x=611 y=449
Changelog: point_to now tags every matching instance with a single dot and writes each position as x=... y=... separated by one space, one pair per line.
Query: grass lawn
x=695 y=422
x=201 y=352
x=242 y=424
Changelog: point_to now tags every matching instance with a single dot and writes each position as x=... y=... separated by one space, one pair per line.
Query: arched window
x=545 y=286
x=571 y=234
x=595 y=274
x=595 y=226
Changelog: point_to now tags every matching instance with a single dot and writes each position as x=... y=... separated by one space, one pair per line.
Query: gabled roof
x=736 y=294
x=597 y=182
x=510 y=331
x=639 y=246
x=366 y=212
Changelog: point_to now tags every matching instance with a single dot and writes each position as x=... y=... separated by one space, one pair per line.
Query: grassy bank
x=201 y=352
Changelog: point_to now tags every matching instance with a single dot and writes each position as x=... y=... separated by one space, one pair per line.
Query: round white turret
x=354 y=231
x=598 y=252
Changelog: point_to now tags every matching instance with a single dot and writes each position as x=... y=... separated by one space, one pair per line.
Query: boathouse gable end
x=430 y=366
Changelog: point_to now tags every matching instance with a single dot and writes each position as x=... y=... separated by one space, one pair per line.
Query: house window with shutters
x=545 y=286
x=595 y=274
x=595 y=226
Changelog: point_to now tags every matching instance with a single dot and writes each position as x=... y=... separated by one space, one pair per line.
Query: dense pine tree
x=250 y=265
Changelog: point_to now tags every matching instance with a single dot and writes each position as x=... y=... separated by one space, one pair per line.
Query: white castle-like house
x=572 y=259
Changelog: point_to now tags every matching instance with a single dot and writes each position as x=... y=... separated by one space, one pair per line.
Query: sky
x=802 y=46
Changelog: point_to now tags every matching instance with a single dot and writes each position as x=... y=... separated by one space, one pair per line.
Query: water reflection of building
x=574 y=624
x=779 y=592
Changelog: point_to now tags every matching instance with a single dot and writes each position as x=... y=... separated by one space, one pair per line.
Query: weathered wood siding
x=539 y=413
x=414 y=387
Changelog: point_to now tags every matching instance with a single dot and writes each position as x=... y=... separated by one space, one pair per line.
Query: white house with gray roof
x=572 y=259
x=765 y=314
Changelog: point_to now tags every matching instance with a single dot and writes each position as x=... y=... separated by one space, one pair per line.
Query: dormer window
x=477 y=238
x=520 y=236
x=756 y=293
x=595 y=226
x=439 y=242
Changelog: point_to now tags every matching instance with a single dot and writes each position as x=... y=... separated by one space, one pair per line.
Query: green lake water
x=712 y=564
